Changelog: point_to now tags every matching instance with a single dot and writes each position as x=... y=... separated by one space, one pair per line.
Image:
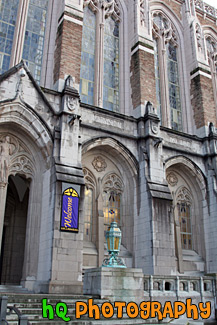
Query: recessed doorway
x=14 y=230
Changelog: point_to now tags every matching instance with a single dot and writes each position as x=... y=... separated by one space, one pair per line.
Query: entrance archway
x=14 y=230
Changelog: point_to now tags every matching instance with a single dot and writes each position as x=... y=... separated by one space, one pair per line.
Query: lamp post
x=113 y=241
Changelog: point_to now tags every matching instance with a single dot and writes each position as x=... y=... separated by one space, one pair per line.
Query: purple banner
x=70 y=205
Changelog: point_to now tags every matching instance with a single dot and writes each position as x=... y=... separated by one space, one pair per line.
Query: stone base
x=65 y=288
x=115 y=284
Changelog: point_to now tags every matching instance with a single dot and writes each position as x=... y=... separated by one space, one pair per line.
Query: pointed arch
x=190 y=206
x=115 y=146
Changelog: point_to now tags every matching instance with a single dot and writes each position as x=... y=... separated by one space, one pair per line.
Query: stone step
x=6 y=288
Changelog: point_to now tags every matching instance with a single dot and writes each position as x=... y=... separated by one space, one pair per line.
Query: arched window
x=184 y=203
x=88 y=57
x=99 y=75
x=167 y=71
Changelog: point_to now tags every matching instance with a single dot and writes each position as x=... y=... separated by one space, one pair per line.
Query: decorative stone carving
x=69 y=81
x=111 y=9
x=199 y=4
x=144 y=16
x=113 y=182
x=149 y=109
x=14 y=158
x=142 y=13
x=184 y=195
x=162 y=27
x=210 y=10
x=93 y=4
x=199 y=37
x=22 y=164
x=5 y=152
x=211 y=45
x=99 y=164
x=172 y=179
x=89 y=178
x=71 y=102
x=154 y=127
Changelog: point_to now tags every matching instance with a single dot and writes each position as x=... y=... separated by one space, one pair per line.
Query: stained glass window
x=174 y=88
x=184 y=211
x=34 y=36
x=8 y=15
x=111 y=65
x=112 y=208
x=166 y=71
x=88 y=213
x=87 y=57
x=157 y=77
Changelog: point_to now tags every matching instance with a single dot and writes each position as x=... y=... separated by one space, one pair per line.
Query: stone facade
x=151 y=167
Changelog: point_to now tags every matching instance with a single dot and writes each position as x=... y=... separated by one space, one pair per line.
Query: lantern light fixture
x=113 y=241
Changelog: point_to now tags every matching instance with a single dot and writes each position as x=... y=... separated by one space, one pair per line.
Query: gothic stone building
x=116 y=99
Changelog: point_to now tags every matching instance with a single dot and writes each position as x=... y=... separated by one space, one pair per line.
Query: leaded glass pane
x=87 y=73
x=112 y=208
x=111 y=65
x=88 y=214
x=184 y=212
x=157 y=77
x=8 y=16
x=174 y=88
x=34 y=37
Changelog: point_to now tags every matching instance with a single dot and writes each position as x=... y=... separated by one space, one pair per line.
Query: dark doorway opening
x=14 y=231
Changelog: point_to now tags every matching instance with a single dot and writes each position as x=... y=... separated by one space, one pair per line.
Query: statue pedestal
x=115 y=284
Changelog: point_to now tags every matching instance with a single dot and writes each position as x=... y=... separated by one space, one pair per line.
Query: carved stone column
x=3 y=194
x=5 y=151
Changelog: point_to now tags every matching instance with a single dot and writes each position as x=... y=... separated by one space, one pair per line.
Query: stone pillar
x=100 y=242
x=142 y=74
x=115 y=284
x=67 y=254
x=5 y=152
x=67 y=56
x=3 y=195
x=202 y=98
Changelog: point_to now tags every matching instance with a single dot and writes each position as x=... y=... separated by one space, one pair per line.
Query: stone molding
x=15 y=158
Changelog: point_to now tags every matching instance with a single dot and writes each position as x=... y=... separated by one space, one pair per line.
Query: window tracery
x=100 y=54
x=111 y=187
x=112 y=195
x=167 y=71
x=184 y=203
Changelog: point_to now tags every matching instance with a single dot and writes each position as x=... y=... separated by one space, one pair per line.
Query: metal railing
x=22 y=319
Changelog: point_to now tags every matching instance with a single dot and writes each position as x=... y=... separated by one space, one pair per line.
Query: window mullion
x=97 y=58
x=19 y=35
x=100 y=59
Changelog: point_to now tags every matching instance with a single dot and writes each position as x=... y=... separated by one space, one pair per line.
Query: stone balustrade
x=180 y=287
x=206 y=8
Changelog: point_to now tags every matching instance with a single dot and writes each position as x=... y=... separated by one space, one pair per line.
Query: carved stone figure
x=199 y=37
x=5 y=151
